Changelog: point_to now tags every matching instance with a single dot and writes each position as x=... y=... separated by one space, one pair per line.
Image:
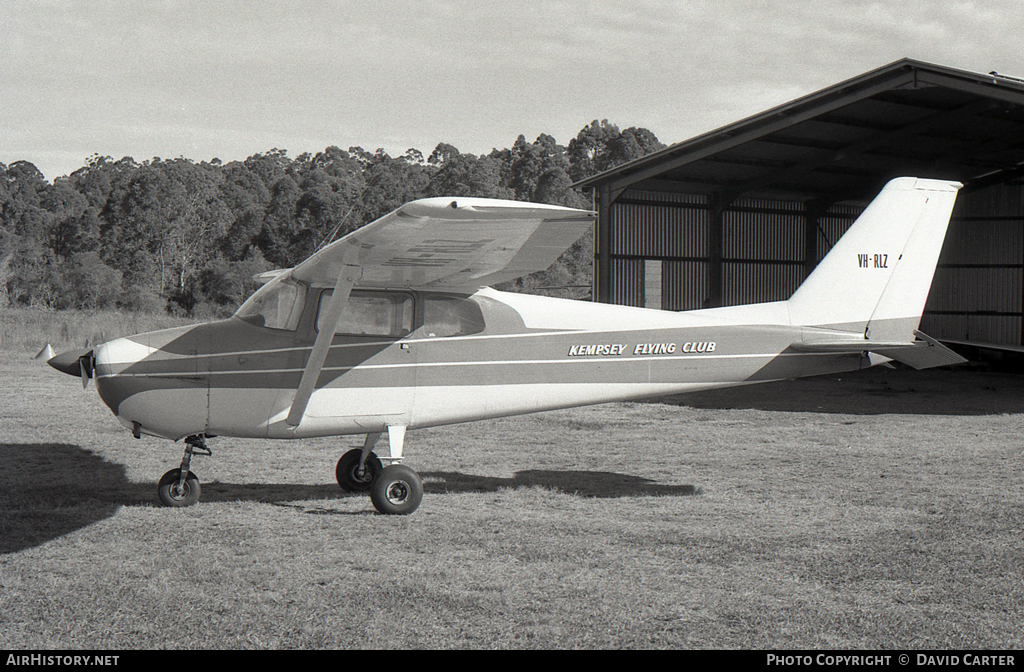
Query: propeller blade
x=85 y=368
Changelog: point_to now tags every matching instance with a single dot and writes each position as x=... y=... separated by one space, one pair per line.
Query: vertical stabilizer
x=876 y=279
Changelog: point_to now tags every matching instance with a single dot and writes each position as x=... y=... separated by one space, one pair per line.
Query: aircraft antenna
x=330 y=237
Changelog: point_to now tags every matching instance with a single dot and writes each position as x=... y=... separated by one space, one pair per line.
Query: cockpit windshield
x=276 y=305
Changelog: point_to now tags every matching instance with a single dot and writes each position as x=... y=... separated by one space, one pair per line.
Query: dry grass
x=31 y=328
x=797 y=515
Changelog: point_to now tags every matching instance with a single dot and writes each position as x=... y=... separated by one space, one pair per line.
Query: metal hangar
x=743 y=213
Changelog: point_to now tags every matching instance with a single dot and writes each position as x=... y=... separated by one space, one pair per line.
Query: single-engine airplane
x=394 y=327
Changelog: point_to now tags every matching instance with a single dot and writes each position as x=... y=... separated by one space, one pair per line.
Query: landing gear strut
x=395 y=489
x=180 y=487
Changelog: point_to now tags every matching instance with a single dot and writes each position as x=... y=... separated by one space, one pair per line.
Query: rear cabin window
x=371 y=314
x=451 y=316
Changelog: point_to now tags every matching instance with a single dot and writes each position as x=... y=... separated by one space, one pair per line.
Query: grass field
x=31 y=328
x=877 y=510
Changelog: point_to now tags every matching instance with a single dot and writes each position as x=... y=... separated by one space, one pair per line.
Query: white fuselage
x=531 y=354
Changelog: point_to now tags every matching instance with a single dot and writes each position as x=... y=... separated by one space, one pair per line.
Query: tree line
x=187 y=238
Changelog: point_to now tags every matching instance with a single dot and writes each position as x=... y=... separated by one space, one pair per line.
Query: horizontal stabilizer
x=923 y=353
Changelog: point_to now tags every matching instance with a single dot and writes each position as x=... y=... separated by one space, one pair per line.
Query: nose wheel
x=180 y=487
x=177 y=491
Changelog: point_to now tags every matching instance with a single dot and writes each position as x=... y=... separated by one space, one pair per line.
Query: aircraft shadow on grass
x=597 y=484
x=55 y=489
x=60 y=488
x=874 y=392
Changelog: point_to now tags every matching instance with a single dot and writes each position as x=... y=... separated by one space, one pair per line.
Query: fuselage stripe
x=590 y=360
x=412 y=342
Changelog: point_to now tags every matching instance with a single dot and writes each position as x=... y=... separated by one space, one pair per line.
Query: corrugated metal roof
x=844 y=142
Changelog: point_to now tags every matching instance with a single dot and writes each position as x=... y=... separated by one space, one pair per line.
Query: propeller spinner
x=74 y=363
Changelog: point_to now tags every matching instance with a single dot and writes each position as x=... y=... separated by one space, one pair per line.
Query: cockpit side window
x=445 y=316
x=276 y=305
x=371 y=314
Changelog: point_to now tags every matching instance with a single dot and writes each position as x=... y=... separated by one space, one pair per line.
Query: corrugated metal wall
x=978 y=292
x=832 y=226
x=684 y=285
x=762 y=251
x=762 y=255
x=671 y=228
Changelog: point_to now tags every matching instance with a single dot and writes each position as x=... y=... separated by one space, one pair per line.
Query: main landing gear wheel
x=175 y=492
x=397 y=490
x=354 y=478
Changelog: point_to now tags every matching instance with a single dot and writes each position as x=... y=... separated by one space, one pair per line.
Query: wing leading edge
x=453 y=244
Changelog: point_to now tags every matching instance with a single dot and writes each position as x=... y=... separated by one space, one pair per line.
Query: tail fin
x=876 y=279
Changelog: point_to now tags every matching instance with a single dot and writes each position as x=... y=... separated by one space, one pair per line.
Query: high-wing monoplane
x=395 y=327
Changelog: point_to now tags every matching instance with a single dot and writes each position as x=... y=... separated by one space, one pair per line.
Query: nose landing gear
x=180 y=487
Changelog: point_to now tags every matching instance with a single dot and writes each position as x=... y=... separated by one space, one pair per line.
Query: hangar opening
x=744 y=213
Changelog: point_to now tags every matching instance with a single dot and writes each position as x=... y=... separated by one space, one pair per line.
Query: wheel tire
x=398 y=490
x=169 y=493
x=350 y=477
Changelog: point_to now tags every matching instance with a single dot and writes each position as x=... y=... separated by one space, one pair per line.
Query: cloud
x=230 y=78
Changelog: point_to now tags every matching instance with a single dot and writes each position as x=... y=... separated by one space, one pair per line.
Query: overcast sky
x=229 y=78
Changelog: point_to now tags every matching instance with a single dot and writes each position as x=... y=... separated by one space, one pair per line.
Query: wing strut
x=339 y=299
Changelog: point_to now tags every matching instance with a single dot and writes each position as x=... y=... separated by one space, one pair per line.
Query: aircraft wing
x=453 y=244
